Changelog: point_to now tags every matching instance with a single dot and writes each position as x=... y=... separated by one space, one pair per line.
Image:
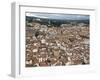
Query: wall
x=5 y=39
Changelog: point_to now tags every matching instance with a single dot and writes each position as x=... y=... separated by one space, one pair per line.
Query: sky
x=58 y=16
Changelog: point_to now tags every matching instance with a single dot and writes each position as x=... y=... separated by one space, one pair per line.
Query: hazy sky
x=59 y=16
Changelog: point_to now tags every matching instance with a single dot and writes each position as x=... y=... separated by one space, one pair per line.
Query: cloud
x=35 y=15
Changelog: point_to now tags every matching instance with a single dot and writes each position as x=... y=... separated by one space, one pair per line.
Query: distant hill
x=55 y=22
